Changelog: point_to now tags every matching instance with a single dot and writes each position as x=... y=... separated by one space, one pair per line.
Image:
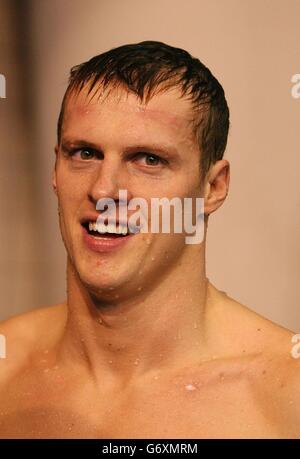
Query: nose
x=110 y=177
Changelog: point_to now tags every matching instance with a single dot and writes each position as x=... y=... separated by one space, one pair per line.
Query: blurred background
x=251 y=46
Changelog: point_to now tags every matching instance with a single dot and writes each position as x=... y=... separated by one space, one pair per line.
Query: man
x=144 y=346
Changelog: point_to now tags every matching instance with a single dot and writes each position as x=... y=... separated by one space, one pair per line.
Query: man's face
x=108 y=144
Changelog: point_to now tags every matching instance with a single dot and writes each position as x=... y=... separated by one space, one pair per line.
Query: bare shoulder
x=275 y=373
x=26 y=333
x=246 y=330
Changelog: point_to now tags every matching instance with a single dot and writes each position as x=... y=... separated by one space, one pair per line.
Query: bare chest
x=183 y=408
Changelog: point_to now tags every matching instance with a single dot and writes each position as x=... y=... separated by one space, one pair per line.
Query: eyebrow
x=168 y=150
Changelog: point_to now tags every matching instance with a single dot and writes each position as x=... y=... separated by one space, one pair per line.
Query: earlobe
x=54 y=184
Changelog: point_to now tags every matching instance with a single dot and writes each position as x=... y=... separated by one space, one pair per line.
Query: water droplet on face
x=117 y=296
x=195 y=325
x=190 y=387
x=99 y=320
x=46 y=351
x=111 y=288
x=152 y=258
x=222 y=377
x=110 y=361
x=155 y=377
x=140 y=288
x=141 y=271
x=137 y=361
x=46 y=370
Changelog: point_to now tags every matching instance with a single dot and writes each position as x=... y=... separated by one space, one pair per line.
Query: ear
x=216 y=186
x=54 y=184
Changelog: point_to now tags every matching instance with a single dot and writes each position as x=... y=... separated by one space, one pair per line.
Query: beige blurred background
x=252 y=47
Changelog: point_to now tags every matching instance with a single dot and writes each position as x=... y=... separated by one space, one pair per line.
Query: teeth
x=110 y=228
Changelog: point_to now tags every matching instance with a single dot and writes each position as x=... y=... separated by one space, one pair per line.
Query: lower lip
x=104 y=244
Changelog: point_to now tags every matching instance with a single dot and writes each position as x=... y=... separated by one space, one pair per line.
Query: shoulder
x=247 y=331
x=275 y=373
x=25 y=334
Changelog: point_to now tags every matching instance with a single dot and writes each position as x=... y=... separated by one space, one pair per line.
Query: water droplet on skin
x=117 y=296
x=110 y=361
x=100 y=320
x=155 y=377
x=141 y=271
x=111 y=288
x=55 y=367
x=222 y=377
x=291 y=402
x=190 y=387
x=46 y=370
x=46 y=351
x=140 y=288
x=152 y=258
x=137 y=361
x=195 y=325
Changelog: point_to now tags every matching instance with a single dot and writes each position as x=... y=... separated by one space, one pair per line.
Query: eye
x=83 y=154
x=151 y=159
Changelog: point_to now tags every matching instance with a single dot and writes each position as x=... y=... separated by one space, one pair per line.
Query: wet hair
x=149 y=67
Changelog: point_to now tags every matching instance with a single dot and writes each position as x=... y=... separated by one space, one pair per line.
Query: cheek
x=71 y=188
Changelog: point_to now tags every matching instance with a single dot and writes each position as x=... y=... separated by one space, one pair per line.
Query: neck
x=160 y=329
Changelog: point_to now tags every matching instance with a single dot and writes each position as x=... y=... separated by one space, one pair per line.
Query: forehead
x=167 y=114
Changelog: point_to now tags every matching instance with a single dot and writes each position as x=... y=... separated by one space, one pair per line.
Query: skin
x=144 y=336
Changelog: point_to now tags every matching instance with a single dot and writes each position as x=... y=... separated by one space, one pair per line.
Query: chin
x=102 y=284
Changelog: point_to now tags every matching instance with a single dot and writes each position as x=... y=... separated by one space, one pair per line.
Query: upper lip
x=108 y=220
